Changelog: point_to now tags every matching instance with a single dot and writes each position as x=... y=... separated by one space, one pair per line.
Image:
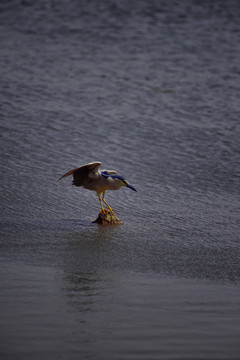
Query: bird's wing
x=81 y=173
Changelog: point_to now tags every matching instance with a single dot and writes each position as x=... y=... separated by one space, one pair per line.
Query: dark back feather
x=80 y=174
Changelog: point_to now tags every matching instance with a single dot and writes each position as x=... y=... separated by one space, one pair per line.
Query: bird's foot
x=105 y=211
x=112 y=210
x=108 y=210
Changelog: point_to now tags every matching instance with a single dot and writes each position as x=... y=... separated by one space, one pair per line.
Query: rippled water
x=150 y=89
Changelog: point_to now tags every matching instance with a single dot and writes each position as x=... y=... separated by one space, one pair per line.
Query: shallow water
x=151 y=90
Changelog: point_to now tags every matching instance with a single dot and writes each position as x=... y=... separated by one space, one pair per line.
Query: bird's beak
x=130 y=186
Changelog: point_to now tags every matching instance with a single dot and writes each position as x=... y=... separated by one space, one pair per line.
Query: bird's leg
x=103 y=210
x=108 y=206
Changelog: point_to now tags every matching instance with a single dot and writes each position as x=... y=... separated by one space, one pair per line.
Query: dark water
x=151 y=89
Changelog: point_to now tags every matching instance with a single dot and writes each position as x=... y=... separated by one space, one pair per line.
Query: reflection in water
x=83 y=263
x=157 y=312
x=82 y=290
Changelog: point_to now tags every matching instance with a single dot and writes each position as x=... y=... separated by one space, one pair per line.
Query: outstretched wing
x=81 y=173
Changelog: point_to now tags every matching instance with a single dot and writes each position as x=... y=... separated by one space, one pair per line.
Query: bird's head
x=118 y=180
x=124 y=182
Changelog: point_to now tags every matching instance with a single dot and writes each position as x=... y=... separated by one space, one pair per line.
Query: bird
x=90 y=177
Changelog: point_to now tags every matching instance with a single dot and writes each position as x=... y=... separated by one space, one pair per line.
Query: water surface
x=150 y=89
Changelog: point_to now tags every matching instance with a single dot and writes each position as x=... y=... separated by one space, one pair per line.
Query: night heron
x=91 y=177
